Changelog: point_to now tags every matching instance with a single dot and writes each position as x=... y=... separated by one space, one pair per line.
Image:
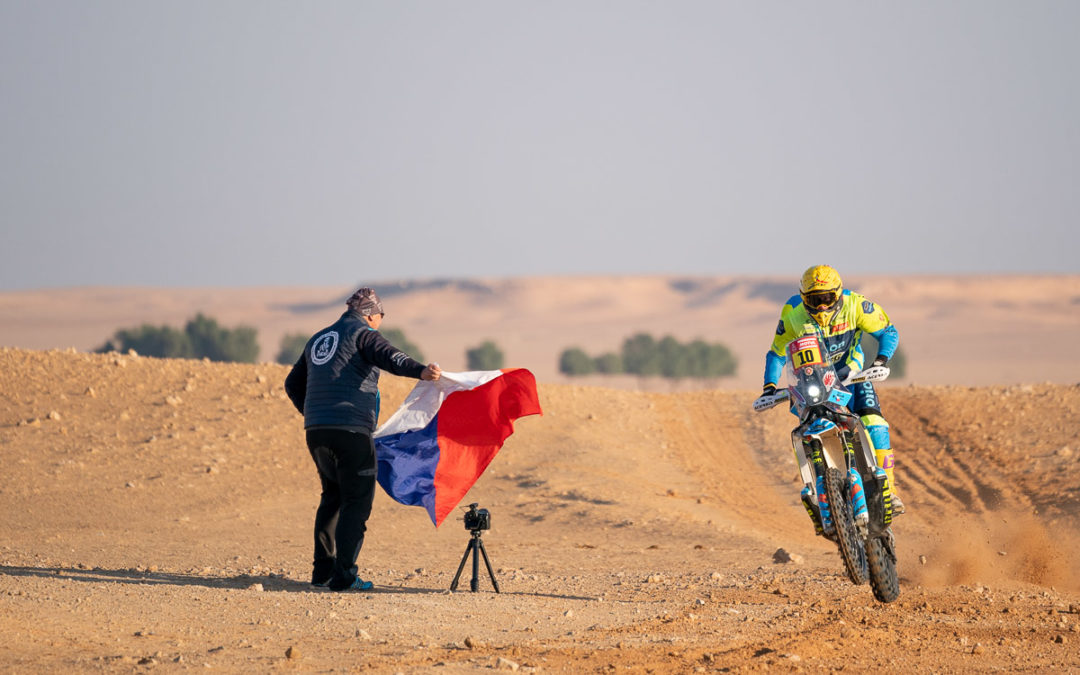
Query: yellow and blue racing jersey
x=843 y=336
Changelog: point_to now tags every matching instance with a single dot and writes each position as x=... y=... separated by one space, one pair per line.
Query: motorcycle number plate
x=807 y=357
x=806 y=352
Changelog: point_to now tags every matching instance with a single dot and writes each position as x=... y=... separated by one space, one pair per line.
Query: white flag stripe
x=426 y=397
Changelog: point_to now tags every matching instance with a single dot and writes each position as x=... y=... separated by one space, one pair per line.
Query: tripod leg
x=454 y=583
x=474 y=585
x=487 y=562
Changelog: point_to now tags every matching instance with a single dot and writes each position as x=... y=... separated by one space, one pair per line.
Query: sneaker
x=897 y=506
x=358 y=584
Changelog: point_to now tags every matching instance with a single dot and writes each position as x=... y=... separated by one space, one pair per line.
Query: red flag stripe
x=472 y=427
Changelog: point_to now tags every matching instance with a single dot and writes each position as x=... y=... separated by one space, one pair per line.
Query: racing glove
x=765 y=401
x=881 y=361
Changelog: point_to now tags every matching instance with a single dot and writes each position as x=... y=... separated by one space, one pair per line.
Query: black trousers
x=347 y=469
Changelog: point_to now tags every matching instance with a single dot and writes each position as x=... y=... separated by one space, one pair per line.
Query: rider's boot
x=812 y=510
x=878 y=429
x=884 y=459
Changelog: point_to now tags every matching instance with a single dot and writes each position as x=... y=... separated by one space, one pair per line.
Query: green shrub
x=641 y=355
x=608 y=364
x=397 y=338
x=675 y=359
x=486 y=356
x=292 y=346
x=222 y=344
x=160 y=341
x=644 y=355
x=712 y=360
x=575 y=361
x=202 y=337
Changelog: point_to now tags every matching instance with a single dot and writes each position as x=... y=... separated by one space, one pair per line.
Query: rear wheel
x=881 y=562
x=847 y=537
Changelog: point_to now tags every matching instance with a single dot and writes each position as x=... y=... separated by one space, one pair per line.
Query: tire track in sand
x=742 y=459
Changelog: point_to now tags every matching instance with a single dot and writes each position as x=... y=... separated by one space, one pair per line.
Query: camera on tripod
x=477 y=519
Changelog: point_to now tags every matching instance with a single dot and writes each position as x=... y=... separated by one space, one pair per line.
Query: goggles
x=821 y=299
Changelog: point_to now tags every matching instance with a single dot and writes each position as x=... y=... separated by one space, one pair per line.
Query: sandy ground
x=157 y=517
x=954 y=330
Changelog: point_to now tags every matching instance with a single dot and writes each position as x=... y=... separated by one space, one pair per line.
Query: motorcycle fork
x=819 y=511
x=856 y=494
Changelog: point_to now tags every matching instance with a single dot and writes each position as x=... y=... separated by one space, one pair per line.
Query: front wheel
x=881 y=561
x=847 y=536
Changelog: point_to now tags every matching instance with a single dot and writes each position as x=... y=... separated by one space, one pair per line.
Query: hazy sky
x=257 y=142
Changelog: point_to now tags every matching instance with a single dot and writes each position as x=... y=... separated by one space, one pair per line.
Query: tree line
x=642 y=354
x=202 y=337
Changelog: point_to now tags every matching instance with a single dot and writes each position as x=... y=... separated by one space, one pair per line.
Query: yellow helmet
x=821 y=290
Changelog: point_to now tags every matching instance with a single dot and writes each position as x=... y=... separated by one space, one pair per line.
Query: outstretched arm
x=377 y=350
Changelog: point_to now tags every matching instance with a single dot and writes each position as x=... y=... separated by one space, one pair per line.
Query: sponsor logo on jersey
x=780 y=327
x=841 y=327
x=867 y=307
x=324 y=348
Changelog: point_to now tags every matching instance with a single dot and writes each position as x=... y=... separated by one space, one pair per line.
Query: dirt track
x=157 y=516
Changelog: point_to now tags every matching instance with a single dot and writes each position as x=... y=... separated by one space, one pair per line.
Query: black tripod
x=475 y=547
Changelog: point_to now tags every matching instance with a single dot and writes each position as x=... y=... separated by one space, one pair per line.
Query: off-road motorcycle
x=846 y=494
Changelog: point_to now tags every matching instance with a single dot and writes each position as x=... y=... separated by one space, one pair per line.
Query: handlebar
x=763 y=403
x=871 y=374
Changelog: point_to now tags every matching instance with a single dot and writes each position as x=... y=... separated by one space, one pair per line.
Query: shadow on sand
x=270 y=583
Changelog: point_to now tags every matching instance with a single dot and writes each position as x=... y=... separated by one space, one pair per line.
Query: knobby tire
x=882 y=566
x=847 y=536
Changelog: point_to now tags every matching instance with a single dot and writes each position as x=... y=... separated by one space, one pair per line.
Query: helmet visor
x=821 y=299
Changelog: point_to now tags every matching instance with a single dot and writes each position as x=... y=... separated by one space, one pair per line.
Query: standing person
x=335 y=384
x=843 y=317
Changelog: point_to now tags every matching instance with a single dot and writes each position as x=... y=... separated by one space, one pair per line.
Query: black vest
x=342 y=387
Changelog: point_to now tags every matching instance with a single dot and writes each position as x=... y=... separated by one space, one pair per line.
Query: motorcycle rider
x=843 y=317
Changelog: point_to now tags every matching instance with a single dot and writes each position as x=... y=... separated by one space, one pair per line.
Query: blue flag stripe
x=407 y=463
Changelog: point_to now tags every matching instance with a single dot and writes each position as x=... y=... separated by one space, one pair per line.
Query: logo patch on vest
x=324 y=348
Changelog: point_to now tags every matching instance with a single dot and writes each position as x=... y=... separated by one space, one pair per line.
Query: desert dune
x=970 y=330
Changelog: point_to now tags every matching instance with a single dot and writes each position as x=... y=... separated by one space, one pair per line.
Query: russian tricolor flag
x=444 y=435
